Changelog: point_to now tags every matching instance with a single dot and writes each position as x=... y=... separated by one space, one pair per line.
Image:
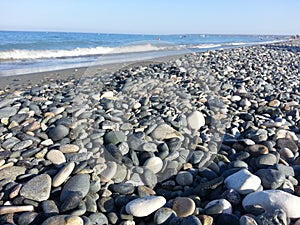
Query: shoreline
x=156 y=142
x=23 y=80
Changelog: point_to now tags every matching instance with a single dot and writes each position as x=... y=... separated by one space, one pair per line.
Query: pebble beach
x=206 y=138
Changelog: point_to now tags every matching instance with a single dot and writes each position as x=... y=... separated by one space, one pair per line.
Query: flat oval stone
x=271 y=200
x=22 y=145
x=243 y=182
x=142 y=207
x=79 y=182
x=37 y=188
x=69 y=148
x=184 y=206
x=56 y=157
x=154 y=163
x=10 y=143
x=63 y=174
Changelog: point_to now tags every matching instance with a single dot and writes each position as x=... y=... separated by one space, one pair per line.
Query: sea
x=31 y=52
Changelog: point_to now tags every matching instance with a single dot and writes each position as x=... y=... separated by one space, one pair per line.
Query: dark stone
x=227 y=219
x=27 y=218
x=49 y=208
x=71 y=202
x=232 y=196
x=277 y=217
x=270 y=178
x=122 y=188
x=57 y=133
x=191 y=220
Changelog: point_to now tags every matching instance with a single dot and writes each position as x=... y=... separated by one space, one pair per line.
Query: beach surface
x=202 y=138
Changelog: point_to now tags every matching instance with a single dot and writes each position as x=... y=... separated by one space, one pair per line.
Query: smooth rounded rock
x=243 y=182
x=184 y=206
x=63 y=174
x=142 y=207
x=56 y=157
x=37 y=188
x=223 y=203
x=271 y=200
x=79 y=182
x=154 y=163
x=59 y=132
x=164 y=215
x=184 y=178
x=69 y=148
x=271 y=178
x=196 y=120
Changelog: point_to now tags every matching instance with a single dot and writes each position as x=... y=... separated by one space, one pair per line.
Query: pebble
x=11 y=173
x=223 y=204
x=79 y=182
x=114 y=137
x=243 y=182
x=63 y=174
x=56 y=157
x=184 y=206
x=69 y=148
x=57 y=133
x=164 y=131
x=107 y=174
x=196 y=120
x=271 y=178
x=247 y=220
x=37 y=188
x=184 y=178
x=7 y=112
x=22 y=145
x=10 y=143
x=164 y=216
x=142 y=207
x=154 y=163
x=274 y=199
x=63 y=220
x=27 y=218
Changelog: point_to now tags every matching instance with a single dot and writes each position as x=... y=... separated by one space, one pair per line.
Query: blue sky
x=153 y=17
